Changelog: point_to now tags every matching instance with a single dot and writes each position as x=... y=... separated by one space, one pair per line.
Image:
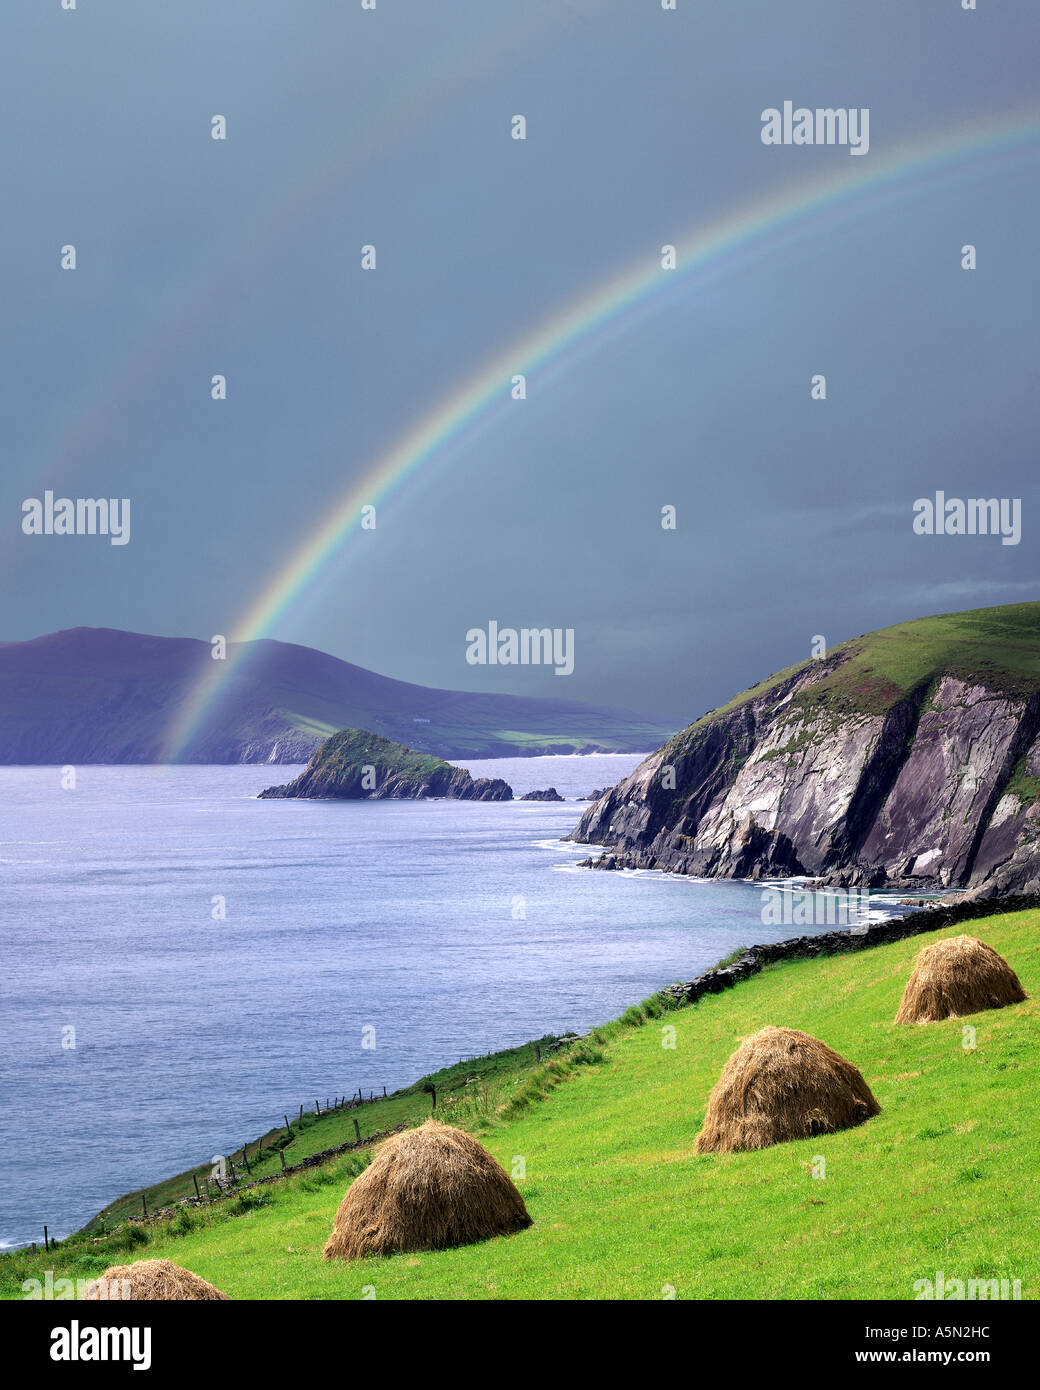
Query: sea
x=183 y=964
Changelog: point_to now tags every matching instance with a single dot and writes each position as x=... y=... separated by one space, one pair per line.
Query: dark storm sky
x=393 y=127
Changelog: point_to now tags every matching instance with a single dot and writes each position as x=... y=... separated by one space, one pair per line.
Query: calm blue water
x=192 y=1035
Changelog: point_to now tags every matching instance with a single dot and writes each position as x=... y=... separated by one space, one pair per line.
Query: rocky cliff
x=907 y=758
x=357 y=765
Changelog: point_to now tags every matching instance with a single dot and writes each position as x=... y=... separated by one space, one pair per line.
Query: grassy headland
x=997 y=647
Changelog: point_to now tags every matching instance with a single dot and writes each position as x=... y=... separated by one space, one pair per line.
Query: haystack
x=153 y=1280
x=781 y=1084
x=956 y=976
x=426 y=1189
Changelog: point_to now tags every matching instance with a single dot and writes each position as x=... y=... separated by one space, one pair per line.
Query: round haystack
x=781 y=1084
x=426 y=1189
x=153 y=1280
x=956 y=976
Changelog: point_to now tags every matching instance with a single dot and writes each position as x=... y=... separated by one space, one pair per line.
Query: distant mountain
x=907 y=758
x=98 y=695
x=355 y=765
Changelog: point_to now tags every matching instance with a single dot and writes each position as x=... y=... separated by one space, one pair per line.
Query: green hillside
x=945 y=1178
x=100 y=695
x=999 y=647
x=480 y=1078
x=345 y=753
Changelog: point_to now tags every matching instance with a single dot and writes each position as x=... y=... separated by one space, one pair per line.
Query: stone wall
x=831 y=943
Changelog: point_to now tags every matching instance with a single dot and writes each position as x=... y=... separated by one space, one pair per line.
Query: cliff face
x=880 y=765
x=356 y=765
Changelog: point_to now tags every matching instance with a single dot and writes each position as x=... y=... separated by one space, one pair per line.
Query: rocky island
x=908 y=758
x=356 y=765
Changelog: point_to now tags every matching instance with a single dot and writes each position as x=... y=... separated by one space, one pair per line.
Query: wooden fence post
x=46 y=1239
x=357 y=1130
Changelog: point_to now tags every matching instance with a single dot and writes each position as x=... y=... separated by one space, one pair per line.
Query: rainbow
x=602 y=313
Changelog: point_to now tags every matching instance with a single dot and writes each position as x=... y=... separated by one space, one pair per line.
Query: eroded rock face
x=1008 y=855
x=964 y=748
x=939 y=790
x=549 y=794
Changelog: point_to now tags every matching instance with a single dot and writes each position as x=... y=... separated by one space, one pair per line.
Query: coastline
x=750 y=961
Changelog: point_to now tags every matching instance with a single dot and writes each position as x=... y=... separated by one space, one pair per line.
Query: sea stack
x=355 y=765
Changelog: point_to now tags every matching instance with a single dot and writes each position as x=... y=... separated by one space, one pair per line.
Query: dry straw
x=426 y=1189
x=153 y=1280
x=781 y=1084
x=956 y=976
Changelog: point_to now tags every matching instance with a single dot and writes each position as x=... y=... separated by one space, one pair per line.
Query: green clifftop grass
x=945 y=1178
x=998 y=647
x=345 y=753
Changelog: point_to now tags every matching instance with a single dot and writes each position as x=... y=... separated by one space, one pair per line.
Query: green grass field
x=946 y=1178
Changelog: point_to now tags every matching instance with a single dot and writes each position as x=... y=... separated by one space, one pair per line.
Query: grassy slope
x=579 y=731
x=347 y=752
x=474 y=1077
x=483 y=726
x=998 y=646
x=944 y=1179
x=477 y=742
